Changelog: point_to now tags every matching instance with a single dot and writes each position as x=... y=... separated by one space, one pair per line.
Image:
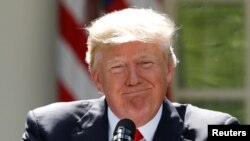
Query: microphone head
x=125 y=126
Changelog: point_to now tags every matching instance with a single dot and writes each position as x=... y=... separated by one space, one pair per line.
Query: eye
x=147 y=64
x=117 y=68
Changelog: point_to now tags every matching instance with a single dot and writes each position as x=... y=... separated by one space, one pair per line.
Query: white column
x=27 y=44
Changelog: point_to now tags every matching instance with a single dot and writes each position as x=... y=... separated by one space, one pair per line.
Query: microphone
x=124 y=130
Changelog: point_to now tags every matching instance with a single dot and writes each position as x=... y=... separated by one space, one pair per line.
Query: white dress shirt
x=147 y=130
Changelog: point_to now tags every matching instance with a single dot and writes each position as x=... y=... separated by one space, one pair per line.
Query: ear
x=170 y=69
x=96 y=78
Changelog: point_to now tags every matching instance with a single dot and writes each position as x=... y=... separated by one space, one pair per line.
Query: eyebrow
x=115 y=60
x=146 y=55
x=140 y=56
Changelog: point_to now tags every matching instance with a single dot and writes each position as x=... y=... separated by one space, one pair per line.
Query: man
x=132 y=64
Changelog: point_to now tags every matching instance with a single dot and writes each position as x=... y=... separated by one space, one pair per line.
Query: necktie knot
x=138 y=135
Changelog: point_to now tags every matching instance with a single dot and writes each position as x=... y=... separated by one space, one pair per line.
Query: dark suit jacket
x=87 y=120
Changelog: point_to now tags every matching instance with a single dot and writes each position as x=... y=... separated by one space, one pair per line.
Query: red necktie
x=138 y=135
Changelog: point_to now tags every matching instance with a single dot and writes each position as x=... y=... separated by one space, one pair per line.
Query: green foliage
x=211 y=45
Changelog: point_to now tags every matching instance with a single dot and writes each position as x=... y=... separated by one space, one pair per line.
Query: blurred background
x=42 y=49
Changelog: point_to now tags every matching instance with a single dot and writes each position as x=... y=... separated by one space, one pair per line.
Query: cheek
x=164 y=74
x=112 y=83
x=156 y=75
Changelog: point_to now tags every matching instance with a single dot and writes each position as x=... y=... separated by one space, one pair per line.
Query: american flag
x=73 y=79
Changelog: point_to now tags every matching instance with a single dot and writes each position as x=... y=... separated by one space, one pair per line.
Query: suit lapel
x=171 y=126
x=94 y=124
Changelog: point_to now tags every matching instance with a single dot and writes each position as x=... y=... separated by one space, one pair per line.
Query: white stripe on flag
x=76 y=8
x=73 y=74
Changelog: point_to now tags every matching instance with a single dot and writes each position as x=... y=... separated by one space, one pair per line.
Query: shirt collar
x=147 y=130
x=113 y=120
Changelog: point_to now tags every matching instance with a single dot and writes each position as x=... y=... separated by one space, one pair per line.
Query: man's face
x=134 y=77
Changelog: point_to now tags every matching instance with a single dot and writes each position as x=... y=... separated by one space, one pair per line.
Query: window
x=211 y=47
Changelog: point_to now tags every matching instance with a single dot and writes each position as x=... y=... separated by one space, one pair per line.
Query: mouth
x=135 y=92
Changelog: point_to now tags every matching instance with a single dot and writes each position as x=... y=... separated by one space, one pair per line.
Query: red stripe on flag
x=63 y=93
x=116 y=5
x=73 y=33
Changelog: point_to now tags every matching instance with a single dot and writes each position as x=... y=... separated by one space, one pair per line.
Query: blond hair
x=127 y=25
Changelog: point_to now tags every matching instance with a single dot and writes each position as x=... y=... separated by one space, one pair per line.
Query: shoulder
x=62 y=109
x=58 y=118
x=196 y=120
x=191 y=113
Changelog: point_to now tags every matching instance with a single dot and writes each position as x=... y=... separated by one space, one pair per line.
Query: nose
x=133 y=77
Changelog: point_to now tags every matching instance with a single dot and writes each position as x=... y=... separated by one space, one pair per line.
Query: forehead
x=132 y=49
